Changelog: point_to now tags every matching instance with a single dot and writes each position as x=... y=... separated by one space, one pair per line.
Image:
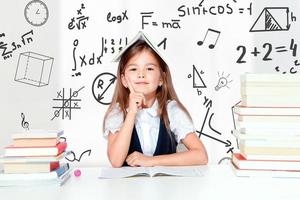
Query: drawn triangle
x=259 y=24
x=197 y=80
x=271 y=23
x=280 y=15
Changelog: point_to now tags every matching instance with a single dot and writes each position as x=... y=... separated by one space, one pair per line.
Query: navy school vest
x=165 y=144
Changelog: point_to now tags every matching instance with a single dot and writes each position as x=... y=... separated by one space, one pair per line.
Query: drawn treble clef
x=24 y=124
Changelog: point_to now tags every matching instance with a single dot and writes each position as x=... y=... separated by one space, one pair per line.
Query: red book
x=35 y=151
x=243 y=163
x=43 y=167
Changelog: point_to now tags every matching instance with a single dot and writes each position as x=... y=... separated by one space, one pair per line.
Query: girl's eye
x=150 y=69
x=132 y=69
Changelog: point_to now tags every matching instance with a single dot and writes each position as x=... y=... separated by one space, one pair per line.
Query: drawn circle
x=36 y=13
x=56 y=113
x=102 y=87
x=75 y=93
x=75 y=43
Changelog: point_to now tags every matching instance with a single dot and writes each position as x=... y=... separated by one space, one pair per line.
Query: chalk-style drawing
x=272 y=19
x=208 y=104
x=102 y=85
x=197 y=79
x=36 y=13
x=66 y=105
x=34 y=69
x=222 y=82
x=24 y=123
x=212 y=36
x=72 y=156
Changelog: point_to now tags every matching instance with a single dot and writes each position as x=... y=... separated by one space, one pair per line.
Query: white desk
x=219 y=182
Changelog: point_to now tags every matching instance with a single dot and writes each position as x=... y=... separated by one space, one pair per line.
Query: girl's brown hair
x=164 y=93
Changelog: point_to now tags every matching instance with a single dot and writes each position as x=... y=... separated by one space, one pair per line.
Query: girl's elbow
x=115 y=163
x=203 y=158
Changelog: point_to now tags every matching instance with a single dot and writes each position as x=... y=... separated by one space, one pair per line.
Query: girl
x=145 y=121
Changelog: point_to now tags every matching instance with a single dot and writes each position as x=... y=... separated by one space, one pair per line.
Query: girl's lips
x=142 y=82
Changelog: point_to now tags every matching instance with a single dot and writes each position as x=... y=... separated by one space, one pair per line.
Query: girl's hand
x=137 y=159
x=136 y=100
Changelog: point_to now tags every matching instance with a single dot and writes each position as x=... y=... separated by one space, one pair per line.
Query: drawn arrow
x=100 y=97
x=227 y=143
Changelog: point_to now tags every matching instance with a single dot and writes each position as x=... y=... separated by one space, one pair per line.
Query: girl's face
x=143 y=72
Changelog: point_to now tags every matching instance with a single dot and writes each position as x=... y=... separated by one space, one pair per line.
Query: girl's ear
x=161 y=82
x=124 y=82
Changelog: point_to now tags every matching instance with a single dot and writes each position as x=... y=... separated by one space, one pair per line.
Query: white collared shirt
x=147 y=124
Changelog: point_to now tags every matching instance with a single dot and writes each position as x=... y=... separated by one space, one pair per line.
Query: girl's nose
x=141 y=76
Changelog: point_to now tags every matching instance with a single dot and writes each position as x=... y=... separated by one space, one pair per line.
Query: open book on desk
x=126 y=172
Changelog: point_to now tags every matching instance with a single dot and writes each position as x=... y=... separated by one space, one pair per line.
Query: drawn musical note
x=24 y=123
x=213 y=38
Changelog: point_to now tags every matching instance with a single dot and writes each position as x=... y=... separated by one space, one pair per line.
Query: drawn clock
x=36 y=13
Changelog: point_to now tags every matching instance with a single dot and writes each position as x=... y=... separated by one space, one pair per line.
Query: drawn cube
x=34 y=69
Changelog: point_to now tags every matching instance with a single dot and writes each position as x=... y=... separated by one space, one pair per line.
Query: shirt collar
x=153 y=109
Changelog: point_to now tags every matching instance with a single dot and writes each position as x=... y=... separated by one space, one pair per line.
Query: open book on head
x=139 y=36
x=126 y=172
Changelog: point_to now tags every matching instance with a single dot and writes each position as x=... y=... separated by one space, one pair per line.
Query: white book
x=265 y=173
x=35 y=176
x=125 y=172
x=39 y=182
x=284 y=143
x=140 y=36
x=265 y=78
x=282 y=131
x=277 y=111
x=266 y=136
x=270 y=157
x=270 y=118
x=270 y=101
x=267 y=125
x=271 y=90
x=35 y=133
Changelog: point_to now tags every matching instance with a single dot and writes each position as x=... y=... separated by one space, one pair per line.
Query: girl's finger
x=130 y=85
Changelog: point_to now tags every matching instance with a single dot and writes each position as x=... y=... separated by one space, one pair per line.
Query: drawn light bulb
x=223 y=82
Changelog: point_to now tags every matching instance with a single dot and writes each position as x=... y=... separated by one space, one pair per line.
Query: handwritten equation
x=9 y=48
x=266 y=51
x=117 y=18
x=292 y=70
x=79 y=21
x=200 y=9
x=171 y=24
x=107 y=45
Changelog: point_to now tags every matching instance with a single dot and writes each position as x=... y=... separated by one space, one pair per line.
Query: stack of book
x=268 y=126
x=34 y=158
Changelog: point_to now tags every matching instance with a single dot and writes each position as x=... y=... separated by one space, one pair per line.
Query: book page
x=185 y=171
x=123 y=172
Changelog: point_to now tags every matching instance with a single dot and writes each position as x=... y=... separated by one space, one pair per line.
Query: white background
x=84 y=130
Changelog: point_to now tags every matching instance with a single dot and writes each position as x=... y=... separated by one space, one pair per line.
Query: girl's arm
x=118 y=143
x=195 y=155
